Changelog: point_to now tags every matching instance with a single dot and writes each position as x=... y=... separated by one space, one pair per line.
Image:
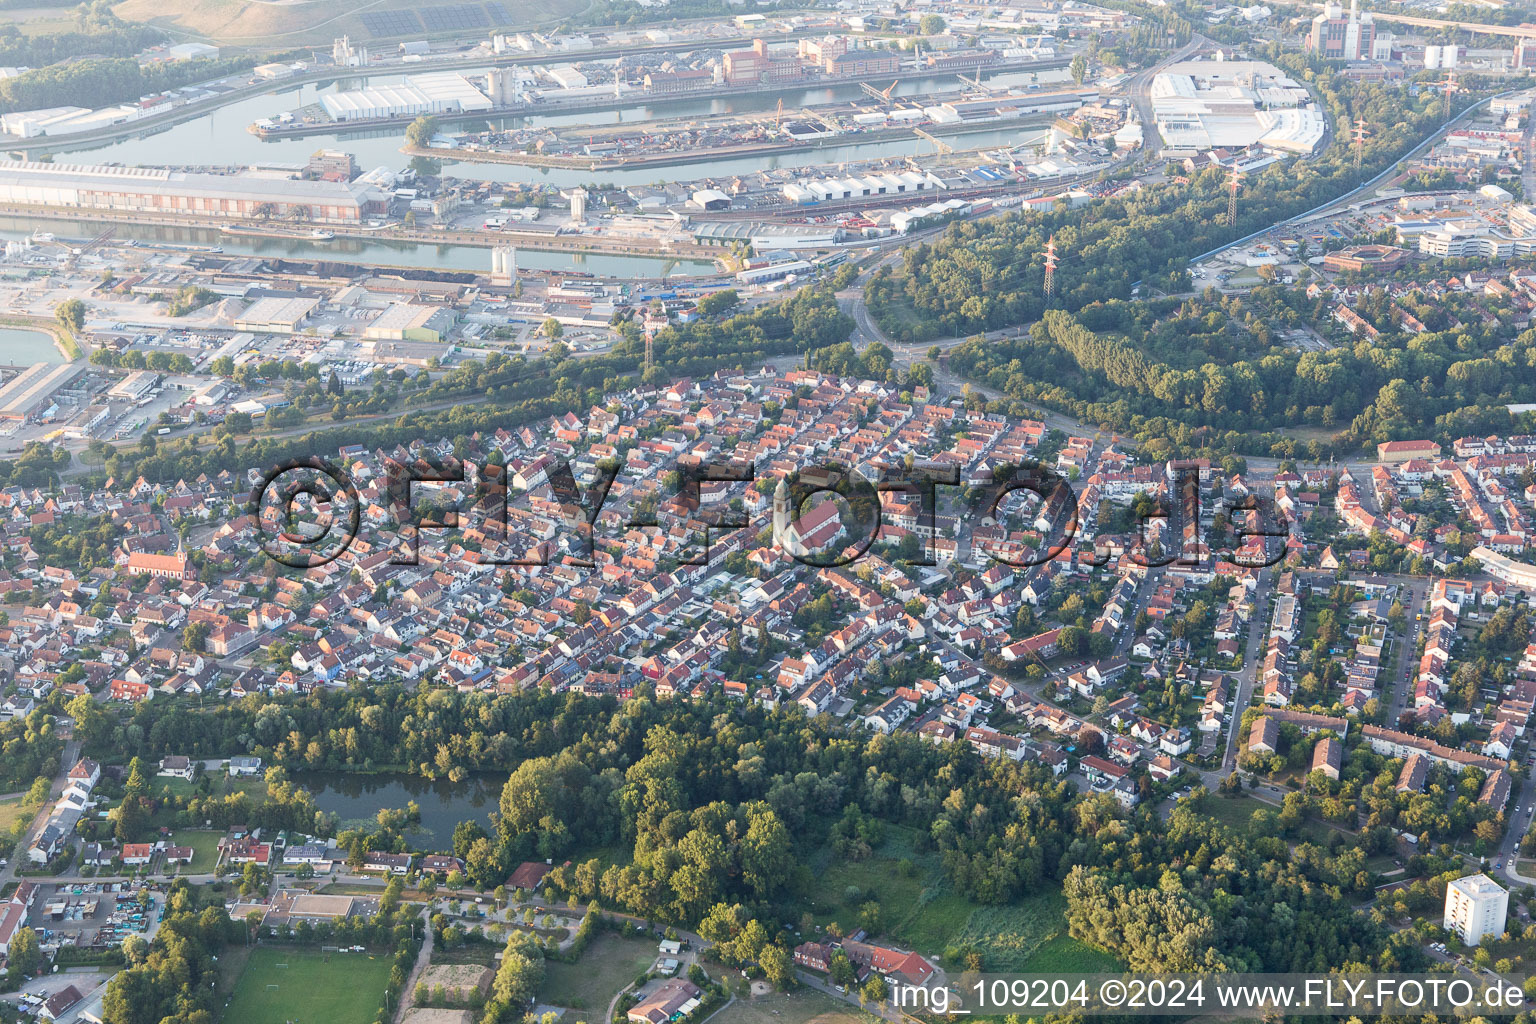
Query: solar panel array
x=441 y=18
x=454 y=18
x=391 y=23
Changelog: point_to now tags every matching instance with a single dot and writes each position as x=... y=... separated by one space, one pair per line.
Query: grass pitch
x=346 y=989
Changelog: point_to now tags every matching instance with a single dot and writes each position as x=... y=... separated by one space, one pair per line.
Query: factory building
x=669 y=83
x=29 y=395
x=1201 y=105
x=842 y=56
x=183 y=193
x=445 y=92
x=406 y=321
x=87 y=422
x=997 y=108
x=401 y=353
x=1337 y=37
x=192 y=51
x=332 y=165
x=31 y=124
x=210 y=394
x=276 y=315
x=904 y=221
x=766 y=238
x=758 y=65
x=822 y=190
x=774 y=271
x=134 y=386
x=710 y=199
x=861 y=62
x=1525 y=55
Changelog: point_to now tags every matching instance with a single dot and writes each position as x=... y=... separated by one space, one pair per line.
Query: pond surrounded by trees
x=357 y=799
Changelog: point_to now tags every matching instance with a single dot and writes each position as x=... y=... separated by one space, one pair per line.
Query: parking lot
x=90 y=914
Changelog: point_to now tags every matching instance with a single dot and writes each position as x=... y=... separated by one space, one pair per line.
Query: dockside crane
x=883 y=95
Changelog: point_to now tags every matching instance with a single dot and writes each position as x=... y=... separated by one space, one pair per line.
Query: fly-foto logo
x=310 y=512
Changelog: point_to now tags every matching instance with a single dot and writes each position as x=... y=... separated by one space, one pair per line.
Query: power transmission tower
x=650 y=353
x=1360 y=133
x=1050 y=267
x=1234 y=181
x=1449 y=85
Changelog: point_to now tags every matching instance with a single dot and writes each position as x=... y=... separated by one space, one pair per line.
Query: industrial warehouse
x=29 y=394
x=442 y=93
x=151 y=190
x=1206 y=104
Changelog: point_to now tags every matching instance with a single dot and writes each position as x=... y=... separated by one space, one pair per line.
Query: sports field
x=347 y=989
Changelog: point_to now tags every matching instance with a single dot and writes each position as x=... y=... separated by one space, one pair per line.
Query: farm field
x=347 y=988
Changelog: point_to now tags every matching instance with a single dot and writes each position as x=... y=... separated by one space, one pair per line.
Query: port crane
x=975 y=83
x=95 y=243
x=939 y=144
x=883 y=95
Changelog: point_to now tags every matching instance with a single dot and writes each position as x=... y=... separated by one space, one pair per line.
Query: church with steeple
x=815 y=531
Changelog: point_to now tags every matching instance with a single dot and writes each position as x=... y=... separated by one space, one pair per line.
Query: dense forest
x=100 y=81
x=720 y=807
x=97 y=32
x=1213 y=373
x=1190 y=897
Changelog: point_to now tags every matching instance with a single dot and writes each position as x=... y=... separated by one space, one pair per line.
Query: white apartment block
x=1475 y=906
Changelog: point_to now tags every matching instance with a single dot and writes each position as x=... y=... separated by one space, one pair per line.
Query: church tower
x=781 y=514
